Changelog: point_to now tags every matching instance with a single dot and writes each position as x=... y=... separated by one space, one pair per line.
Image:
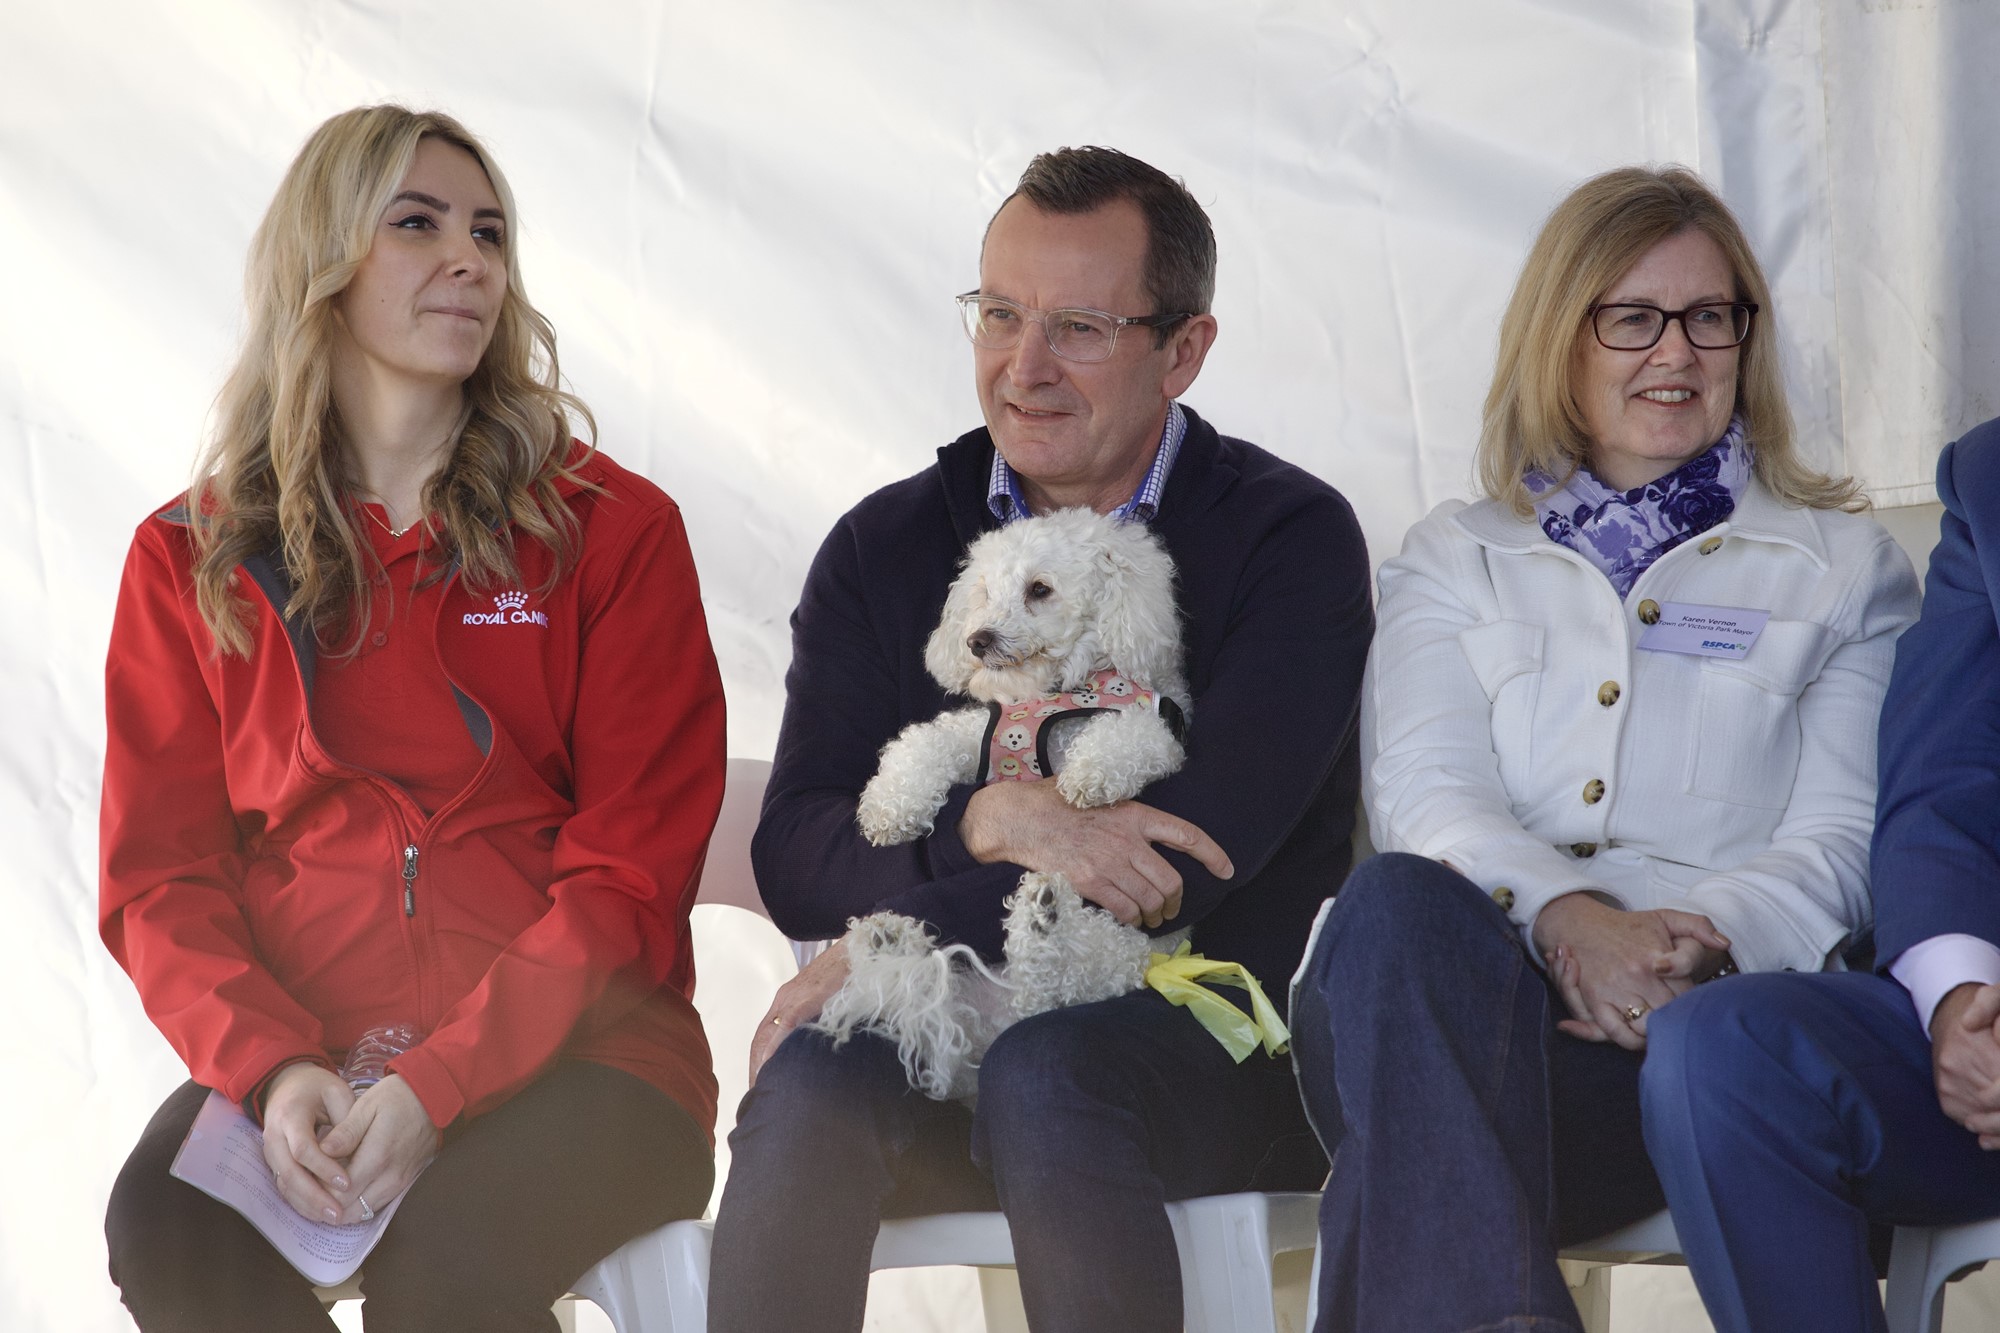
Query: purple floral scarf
x=1624 y=532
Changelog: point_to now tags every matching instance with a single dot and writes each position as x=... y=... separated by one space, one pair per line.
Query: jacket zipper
x=410 y=880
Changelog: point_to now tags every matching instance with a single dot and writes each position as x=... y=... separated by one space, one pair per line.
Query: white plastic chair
x=658 y=1282
x=1924 y=1260
x=1587 y=1267
x=1229 y=1244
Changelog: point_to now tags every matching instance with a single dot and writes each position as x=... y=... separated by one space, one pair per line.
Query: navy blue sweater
x=1273 y=591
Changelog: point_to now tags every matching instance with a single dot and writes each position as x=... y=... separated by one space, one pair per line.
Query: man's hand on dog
x=798 y=1002
x=1106 y=852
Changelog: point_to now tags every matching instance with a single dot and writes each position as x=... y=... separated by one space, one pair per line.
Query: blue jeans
x=1469 y=1137
x=1785 y=1112
x=1089 y=1121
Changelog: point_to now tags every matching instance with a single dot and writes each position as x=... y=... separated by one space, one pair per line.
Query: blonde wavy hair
x=1531 y=419
x=275 y=477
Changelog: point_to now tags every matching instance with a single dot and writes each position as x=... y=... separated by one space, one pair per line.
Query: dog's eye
x=1039 y=591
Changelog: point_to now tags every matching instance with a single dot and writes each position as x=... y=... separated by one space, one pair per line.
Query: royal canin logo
x=508 y=610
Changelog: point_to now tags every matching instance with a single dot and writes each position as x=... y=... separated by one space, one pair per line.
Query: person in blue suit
x=1785 y=1113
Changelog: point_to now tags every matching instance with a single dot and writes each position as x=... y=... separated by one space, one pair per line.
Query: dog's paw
x=1039 y=904
x=886 y=816
x=887 y=935
x=1061 y=950
x=1085 y=785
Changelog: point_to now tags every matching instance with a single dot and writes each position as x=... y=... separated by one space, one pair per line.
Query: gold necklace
x=383 y=523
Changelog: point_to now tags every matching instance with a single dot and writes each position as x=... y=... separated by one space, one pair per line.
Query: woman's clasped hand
x=338 y=1156
x=1614 y=967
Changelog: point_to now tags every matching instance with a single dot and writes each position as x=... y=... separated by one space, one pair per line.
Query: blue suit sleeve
x=1936 y=852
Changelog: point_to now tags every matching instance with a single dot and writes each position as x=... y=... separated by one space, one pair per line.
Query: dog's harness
x=1016 y=747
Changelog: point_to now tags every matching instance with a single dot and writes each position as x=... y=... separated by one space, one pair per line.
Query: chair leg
x=1000 y=1298
x=1590 y=1288
x=1225 y=1249
x=1312 y=1291
x=1905 y=1301
x=656 y=1283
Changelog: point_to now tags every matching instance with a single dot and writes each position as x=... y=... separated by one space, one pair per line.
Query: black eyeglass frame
x=1750 y=309
x=968 y=302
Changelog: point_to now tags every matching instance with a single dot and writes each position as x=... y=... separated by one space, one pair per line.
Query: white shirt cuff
x=1930 y=969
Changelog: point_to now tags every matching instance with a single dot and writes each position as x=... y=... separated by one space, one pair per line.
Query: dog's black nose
x=980 y=642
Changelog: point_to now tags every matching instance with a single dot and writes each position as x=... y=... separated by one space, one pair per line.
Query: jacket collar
x=1203 y=473
x=1759 y=516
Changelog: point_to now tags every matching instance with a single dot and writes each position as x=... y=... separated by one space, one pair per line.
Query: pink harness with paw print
x=1016 y=748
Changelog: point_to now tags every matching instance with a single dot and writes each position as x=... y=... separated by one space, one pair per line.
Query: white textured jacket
x=1512 y=727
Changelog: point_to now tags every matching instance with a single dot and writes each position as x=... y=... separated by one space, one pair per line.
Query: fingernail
x=340 y=1182
x=331 y=1215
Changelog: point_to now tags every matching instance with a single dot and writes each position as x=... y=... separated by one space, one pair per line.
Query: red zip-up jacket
x=272 y=904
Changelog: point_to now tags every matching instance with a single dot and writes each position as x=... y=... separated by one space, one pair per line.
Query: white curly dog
x=1063 y=627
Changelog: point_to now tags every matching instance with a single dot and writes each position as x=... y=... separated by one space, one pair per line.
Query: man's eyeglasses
x=1634 y=328
x=1074 y=335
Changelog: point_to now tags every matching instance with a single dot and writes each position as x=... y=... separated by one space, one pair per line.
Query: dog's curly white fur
x=1039 y=607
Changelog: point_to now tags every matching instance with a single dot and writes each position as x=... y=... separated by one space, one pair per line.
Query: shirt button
x=1711 y=546
x=378 y=638
x=1607 y=693
x=1503 y=898
x=1593 y=791
x=1649 y=612
x=1583 y=850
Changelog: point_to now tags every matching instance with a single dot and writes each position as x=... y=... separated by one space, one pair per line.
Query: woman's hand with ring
x=387 y=1139
x=1607 y=963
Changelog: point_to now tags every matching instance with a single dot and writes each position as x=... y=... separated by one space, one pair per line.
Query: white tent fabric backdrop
x=746 y=221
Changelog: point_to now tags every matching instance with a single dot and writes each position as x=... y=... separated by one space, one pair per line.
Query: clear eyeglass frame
x=1740 y=315
x=1074 y=333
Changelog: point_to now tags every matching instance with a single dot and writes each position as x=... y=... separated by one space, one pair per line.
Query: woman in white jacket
x=1619 y=737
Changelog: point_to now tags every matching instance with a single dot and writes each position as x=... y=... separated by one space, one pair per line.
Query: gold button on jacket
x=1649 y=612
x=1504 y=897
x=1711 y=546
x=1607 y=693
x=1583 y=850
x=1593 y=791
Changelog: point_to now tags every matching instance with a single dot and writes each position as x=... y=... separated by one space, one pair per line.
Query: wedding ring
x=367 y=1213
x=1634 y=1012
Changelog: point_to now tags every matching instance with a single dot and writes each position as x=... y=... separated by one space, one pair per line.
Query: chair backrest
x=727 y=877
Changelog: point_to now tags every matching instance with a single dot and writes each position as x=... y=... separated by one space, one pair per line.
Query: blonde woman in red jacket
x=413 y=721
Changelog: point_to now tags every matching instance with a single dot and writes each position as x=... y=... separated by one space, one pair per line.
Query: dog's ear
x=946 y=657
x=1137 y=624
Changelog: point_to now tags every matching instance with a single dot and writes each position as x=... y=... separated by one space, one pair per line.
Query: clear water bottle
x=368 y=1059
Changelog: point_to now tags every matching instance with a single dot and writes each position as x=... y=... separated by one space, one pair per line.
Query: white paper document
x=224 y=1159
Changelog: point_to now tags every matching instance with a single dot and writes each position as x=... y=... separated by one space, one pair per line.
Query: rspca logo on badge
x=509 y=608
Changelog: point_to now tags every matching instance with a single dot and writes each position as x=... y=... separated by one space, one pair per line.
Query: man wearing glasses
x=1090 y=319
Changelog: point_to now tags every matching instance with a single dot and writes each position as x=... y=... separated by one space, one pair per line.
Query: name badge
x=1704 y=631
